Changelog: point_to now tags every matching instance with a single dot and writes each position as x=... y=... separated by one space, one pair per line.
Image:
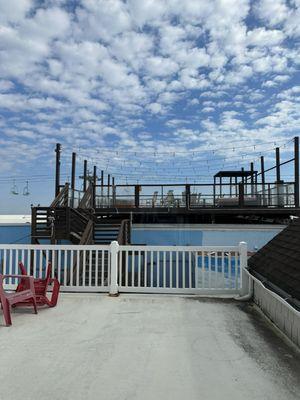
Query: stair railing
x=86 y=238
x=61 y=200
x=124 y=232
x=86 y=201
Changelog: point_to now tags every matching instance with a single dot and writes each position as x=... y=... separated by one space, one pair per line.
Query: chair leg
x=6 y=313
x=34 y=305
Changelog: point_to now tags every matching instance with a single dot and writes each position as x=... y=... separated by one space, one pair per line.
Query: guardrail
x=195 y=196
x=78 y=268
x=213 y=270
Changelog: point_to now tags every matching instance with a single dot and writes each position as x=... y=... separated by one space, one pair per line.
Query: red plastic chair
x=11 y=299
x=41 y=286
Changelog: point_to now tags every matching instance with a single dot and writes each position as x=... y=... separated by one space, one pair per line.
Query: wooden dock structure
x=102 y=212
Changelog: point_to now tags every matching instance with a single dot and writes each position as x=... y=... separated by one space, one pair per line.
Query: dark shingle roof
x=279 y=260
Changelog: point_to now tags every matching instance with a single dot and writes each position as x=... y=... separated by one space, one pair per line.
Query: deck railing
x=195 y=196
x=214 y=270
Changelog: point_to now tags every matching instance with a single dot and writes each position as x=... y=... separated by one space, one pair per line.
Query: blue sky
x=152 y=90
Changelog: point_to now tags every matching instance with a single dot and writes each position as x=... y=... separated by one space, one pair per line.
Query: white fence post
x=244 y=265
x=114 y=250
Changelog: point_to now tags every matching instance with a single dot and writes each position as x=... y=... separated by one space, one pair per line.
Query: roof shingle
x=279 y=260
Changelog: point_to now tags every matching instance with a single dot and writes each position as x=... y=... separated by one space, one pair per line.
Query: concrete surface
x=147 y=348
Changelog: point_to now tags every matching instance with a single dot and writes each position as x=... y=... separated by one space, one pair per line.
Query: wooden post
x=94 y=185
x=108 y=188
x=296 y=172
x=137 y=196
x=243 y=181
x=57 y=168
x=84 y=175
x=252 y=177
x=102 y=178
x=113 y=190
x=114 y=250
x=262 y=172
x=73 y=171
x=187 y=196
x=241 y=194
x=214 y=191
x=230 y=186
x=277 y=164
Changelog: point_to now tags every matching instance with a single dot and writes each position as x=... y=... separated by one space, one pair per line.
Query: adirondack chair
x=11 y=299
x=41 y=286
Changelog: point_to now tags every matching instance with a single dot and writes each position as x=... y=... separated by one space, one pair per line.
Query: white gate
x=180 y=269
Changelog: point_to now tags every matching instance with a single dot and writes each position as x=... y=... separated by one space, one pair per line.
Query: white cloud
x=125 y=70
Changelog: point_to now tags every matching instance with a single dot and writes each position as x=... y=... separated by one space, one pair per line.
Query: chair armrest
x=17 y=276
x=27 y=277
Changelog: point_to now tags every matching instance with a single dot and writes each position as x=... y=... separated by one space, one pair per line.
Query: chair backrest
x=48 y=272
x=2 y=293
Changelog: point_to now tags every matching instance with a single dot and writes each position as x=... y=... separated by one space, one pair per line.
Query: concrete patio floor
x=145 y=347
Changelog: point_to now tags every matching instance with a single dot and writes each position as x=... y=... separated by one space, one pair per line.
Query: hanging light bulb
x=14 y=190
x=26 y=190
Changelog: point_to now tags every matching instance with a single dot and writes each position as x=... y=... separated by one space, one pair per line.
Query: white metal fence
x=140 y=269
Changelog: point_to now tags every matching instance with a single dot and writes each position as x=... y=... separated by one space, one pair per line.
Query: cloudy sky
x=164 y=90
